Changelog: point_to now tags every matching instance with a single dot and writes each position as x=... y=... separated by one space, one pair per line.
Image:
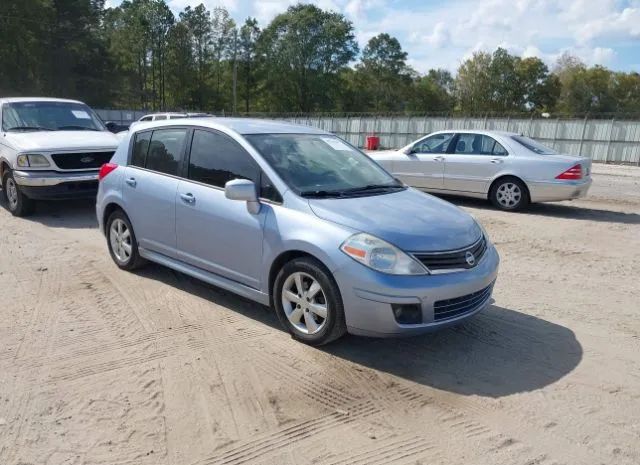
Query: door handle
x=496 y=160
x=189 y=198
x=131 y=181
x=439 y=158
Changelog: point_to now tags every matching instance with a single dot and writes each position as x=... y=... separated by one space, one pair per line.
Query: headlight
x=380 y=255
x=33 y=160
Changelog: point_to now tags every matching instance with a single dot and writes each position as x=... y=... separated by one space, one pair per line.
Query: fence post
x=584 y=128
x=530 y=124
x=555 y=133
x=606 y=155
x=508 y=122
x=484 y=124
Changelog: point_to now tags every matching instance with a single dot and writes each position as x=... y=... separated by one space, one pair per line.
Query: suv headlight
x=380 y=255
x=33 y=160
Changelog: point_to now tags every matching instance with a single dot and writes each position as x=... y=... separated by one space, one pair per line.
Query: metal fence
x=607 y=141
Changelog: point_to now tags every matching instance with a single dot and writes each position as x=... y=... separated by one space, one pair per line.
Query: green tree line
x=141 y=55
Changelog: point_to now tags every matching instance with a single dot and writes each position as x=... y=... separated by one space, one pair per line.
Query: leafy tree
x=304 y=49
x=249 y=36
x=473 y=83
x=383 y=75
x=198 y=21
x=223 y=34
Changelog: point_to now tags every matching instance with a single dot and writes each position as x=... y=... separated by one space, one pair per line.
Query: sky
x=443 y=33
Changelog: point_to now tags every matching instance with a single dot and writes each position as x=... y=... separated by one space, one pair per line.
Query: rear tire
x=18 y=203
x=308 y=303
x=122 y=243
x=509 y=194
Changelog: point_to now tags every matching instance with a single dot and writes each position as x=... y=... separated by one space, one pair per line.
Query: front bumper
x=368 y=296
x=552 y=191
x=53 y=185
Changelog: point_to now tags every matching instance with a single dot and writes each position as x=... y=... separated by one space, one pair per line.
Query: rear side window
x=216 y=159
x=165 y=150
x=478 y=144
x=140 y=148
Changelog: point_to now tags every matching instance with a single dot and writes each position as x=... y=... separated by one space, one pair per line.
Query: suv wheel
x=18 y=203
x=122 y=243
x=308 y=303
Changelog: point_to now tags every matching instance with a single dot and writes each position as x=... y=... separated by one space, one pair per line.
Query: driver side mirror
x=409 y=151
x=244 y=190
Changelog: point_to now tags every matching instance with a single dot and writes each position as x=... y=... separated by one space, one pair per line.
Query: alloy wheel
x=120 y=240
x=304 y=303
x=12 y=193
x=509 y=195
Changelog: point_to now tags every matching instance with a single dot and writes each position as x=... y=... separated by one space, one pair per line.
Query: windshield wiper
x=321 y=193
x=373 y=187
x=29 y=128
x=81 y=128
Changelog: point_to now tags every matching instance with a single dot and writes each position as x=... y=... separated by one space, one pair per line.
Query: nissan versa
x=295 y=218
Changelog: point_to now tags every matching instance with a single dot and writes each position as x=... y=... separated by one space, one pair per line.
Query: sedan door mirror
x=408 y=151
x=245 y=190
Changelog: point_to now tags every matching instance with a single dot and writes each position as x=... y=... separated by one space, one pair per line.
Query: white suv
x=50 y=149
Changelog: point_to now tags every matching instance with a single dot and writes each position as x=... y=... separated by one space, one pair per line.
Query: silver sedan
x=509 y=169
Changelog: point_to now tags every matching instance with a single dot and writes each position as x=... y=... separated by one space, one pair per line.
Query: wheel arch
x=282 y=259
x=108 y=211
x=502 y=177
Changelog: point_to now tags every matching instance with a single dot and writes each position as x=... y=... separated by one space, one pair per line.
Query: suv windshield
x=49 y=116
x=318 y=165
x=534 y=146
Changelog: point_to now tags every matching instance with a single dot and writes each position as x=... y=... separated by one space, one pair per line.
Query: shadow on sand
x=497 y=353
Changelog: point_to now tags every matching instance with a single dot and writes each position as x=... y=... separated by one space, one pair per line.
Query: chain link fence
x=602 y=140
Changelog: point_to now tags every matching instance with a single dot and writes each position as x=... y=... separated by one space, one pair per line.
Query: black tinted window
x=268 y=190
x=216 y=159
x=165 y=150
x=140 y=147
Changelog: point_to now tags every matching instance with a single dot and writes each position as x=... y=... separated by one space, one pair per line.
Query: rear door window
x=478 y=144
x=165 y=150
x=140 y=148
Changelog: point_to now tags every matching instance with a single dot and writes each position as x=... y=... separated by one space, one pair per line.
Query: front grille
x=455 y=259
x=81 y=160
x=451 y=308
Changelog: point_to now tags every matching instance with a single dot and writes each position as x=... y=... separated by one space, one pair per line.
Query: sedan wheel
x=304 y=303
x=509 y=194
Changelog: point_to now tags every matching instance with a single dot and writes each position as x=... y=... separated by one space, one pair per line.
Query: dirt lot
x=100 y=366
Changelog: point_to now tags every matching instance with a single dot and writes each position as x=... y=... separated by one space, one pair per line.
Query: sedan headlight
x=380 y=255
x=33 y=160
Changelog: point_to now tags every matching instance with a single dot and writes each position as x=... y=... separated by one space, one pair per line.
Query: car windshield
x=49 y=116
x=534 y=145
x=318 y=165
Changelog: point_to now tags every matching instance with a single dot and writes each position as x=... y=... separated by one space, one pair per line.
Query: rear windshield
x=534 y=146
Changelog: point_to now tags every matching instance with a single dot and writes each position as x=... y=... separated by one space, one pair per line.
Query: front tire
x=18 y=203
x=509 y=194
x=308 y=303
x=122 y=243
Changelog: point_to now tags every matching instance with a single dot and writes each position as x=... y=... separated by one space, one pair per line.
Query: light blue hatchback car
x=294 y=218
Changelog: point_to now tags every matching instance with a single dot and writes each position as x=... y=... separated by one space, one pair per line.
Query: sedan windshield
x=534 y=145
x=318 y=165
x=49 y=116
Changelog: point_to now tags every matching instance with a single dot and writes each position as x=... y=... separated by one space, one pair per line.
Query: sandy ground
x=100 y=366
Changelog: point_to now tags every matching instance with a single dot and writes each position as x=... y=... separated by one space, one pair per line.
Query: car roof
x=239 y=125
x=36 y=99
x=487 y=132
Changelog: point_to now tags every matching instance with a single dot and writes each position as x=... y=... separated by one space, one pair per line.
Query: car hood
x=61 y=140
x=409 y=219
